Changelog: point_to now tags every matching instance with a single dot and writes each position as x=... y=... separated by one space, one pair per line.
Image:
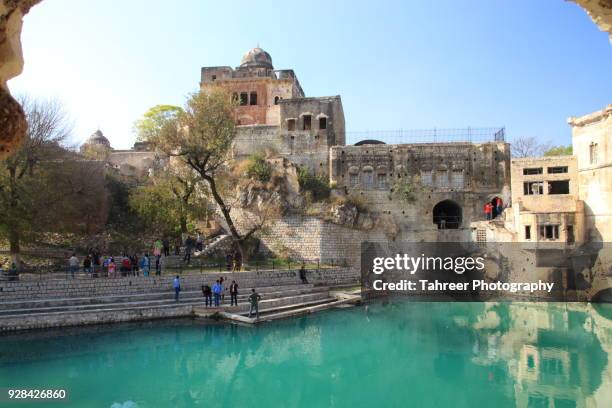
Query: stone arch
x=447 y=214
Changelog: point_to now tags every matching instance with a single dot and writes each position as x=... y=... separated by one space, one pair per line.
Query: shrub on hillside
x=317 y=186
x=258 y=168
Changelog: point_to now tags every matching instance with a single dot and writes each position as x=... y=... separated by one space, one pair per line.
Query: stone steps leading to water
x=122 y=312
x=127 y=297
x=79 y=288
x=52 y=305
x=73 y=302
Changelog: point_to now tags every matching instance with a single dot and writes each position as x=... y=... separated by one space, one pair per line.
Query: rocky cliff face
x=12 y=118
x=600 y=12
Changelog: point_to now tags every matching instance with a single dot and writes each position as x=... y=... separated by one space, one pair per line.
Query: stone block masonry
x=73 y=288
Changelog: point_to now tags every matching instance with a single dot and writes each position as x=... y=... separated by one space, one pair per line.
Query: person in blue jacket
x=217 y=289
x=176 y=284
x=145 y=264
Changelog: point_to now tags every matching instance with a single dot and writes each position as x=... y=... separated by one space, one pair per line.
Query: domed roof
x=369 y=142
x=257 y=57
x=98 y=138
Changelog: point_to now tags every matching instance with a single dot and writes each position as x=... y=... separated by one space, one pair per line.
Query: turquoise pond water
x=398 y=354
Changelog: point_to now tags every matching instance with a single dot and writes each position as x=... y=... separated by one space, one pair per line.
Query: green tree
x=171 y=201
x=154 y=120
x=559 y=151
x=201 y=139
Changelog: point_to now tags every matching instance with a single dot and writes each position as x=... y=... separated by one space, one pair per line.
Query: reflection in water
x=394 y=354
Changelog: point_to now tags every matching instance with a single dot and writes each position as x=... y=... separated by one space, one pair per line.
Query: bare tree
x=528 y=147
x=20 y=185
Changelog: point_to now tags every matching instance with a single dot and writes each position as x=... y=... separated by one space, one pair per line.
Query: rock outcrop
x=600 y=12
x=344 y=214
x=12 y=119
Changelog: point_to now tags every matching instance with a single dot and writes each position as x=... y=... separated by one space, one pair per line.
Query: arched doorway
x=447 y=214
x=496 y=210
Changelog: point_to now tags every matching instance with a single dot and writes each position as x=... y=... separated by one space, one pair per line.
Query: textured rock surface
x=344 y=214
x=12 y=118
x=600 y=12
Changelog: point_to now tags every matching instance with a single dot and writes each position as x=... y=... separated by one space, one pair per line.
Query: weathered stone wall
x=592 y=146
x=307 y=148
x=467 y=174
x=314 y=239
x=310 y=147
x=258 y=138
x=132 y=162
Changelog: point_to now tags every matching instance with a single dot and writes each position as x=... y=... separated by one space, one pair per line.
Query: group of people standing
x=216 y=294
x=97 y=265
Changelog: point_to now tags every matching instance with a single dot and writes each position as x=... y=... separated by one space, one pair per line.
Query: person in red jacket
x=488 y=209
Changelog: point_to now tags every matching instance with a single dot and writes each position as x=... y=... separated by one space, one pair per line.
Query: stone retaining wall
x=66 y=288
x=27 y=322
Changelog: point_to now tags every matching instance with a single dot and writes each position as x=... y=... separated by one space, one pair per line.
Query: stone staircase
x=219 y=242
x=73 y=302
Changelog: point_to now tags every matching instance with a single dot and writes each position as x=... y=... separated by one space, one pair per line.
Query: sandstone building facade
x=546 y=206
x=275 y=115
x=592 y=147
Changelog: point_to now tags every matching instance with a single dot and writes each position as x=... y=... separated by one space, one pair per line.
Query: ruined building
x=546 y=206
x=453 y=179
x=138 y=161
x=274 y=114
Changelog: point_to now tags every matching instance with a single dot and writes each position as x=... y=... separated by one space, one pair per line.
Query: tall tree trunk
x=183 y=224
x=183 y=215
x=226 y=214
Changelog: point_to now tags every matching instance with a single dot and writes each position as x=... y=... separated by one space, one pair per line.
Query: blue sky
x=524 y=64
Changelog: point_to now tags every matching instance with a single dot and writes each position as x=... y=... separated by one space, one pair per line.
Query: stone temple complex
x=450 y=176
x=275 y=114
